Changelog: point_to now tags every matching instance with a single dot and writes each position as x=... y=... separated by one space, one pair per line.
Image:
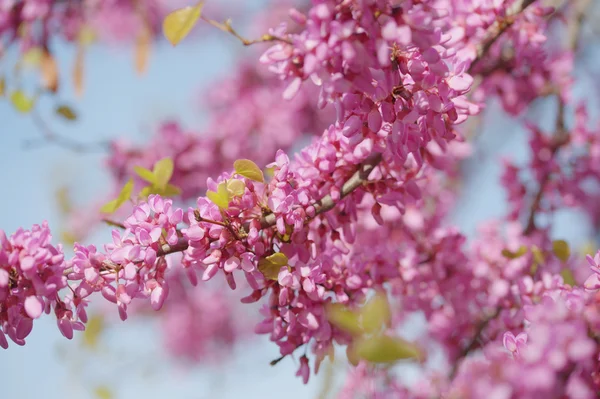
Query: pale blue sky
x=119 y=103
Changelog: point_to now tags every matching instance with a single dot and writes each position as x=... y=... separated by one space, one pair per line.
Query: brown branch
x=561 y=135
x=497 y=28
x=356 y=180
x=49 y=136
x=226 y=27
x=327 y=203
x=474 y=341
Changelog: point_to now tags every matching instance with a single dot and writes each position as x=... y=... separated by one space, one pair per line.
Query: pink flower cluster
x=363 y=207
x=31 y=276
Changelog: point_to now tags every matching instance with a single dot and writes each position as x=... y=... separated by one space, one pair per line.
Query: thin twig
x=561 y=135
x=49 y=136
x=226 y=27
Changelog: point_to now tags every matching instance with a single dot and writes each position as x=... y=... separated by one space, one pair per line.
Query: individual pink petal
x=33 y=306
x=508 y=340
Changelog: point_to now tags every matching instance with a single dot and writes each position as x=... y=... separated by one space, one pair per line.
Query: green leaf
x=163 y=170
x=386 y=349
x=86 y=35
x=567 y=276
x=21 y=101
x=538 y=255
x=344 y=318
x=376 y=313
x=178 y=24
x=271 y=265
x=103 y=392
x=110 y=207
x=514 y=255
x=247 y=168
x=66 y=112
x=236 y=187
x=561 y=249
x=145 y=174
x=170 y=191
x=123 y=197
x=33 y=57
x=126 y=192
x=220 y=197
x=2 y=86
x=93 y=330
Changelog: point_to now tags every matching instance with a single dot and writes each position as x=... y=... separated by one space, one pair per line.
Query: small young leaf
x=170 y=191
x=21 y=101
x=514 y=255
x=110 y=207
x=93 y=330
x=2 y=86
x=126 y=192
x=538 y=256
x=66 y=112
x=103 y=392
x=270 y=172
x=343 y=318
x=567 y=276
x=220 y=197
x=178 y=24
x=247 y=168
x=236 y=187
x=86 y=35
x=145 y=174
x=33 y=57
x=561 y=249
x=124 y=195
x=163 y=170
x=146 y=191
x=271 y=265
x=386 y=349
x=376 y=313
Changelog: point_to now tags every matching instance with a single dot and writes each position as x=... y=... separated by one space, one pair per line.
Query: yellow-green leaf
x=103 y=392
x=178 y=24
x=270 y=172
x=247 y=168
x=561 y=249
x=110 y=207
x=68 y=238
x=21 y=101
x=66 y=112
x=386 y=349
x=123 y=197
x=33 y=57
x=344 y=318
x=93 y=330
x=376 y=313
x=538 y=256
x=271 y=265
x=86 y=35
x=2 y=86
x=145 y=174
x=220 y=197
x=146 y=191
x=170 y=191
x=514 y=255
x=163 y=170
x=126 y=192
x=236 y=187
x=567 y=276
